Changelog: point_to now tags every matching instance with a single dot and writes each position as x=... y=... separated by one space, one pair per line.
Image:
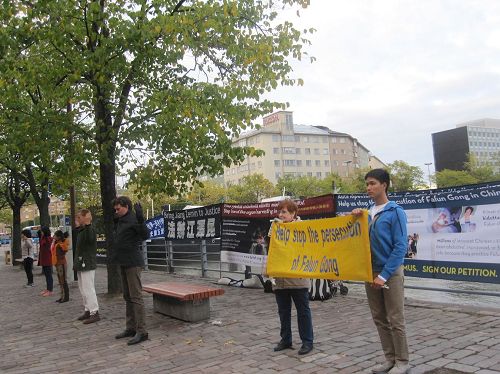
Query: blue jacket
x=388 y=239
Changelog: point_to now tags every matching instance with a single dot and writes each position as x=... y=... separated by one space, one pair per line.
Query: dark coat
x=128 y=234
x=45 y=254
x=86 y=249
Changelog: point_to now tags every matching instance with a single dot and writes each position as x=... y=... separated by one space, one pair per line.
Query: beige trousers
x=387 y=308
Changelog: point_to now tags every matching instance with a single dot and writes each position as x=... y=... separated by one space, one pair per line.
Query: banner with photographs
x=156 y=226
x=196 y=223
x=452 y=233
x=328 y=248
x=245 y=227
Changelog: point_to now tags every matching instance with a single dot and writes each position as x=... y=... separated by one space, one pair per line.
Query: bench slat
x=183 y=291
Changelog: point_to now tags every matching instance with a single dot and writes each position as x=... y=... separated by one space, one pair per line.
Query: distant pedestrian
x=27 y=251
x=61 y=246
x=85 y=265
x=45 y=259
x=129 y=232
x=388 y=243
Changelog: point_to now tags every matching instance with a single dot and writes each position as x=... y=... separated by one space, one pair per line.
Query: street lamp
x=429 y=172
x=347 y=165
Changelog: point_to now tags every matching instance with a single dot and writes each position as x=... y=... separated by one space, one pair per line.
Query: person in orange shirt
x=61 y=245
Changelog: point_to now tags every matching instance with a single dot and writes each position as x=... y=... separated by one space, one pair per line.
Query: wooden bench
x=185 y=301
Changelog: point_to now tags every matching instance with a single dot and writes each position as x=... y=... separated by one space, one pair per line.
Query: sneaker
x=48 y=293
x=44 y=292
x=84 y=316
x=29 y=285
x=399 y=369
x=383 y=368
x=94 y=317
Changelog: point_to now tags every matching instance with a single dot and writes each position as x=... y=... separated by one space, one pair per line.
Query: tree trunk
x=16 y=232
x=108 y=193
x=43 y=207
x=106 y=138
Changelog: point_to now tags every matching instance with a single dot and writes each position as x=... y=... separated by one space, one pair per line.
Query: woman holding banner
x=388 y=242
x=288 y=289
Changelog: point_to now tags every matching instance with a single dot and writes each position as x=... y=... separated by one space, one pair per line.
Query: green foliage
x=473 y=172
x=252 y=189
x=450 y=178
x=405 y=177
x=207 y=193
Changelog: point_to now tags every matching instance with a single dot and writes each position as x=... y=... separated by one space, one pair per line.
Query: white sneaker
x=399 y=369
x=383 y=368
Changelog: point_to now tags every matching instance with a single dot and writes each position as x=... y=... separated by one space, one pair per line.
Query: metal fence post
x=144 y=245
x=170 y=256
x=204 y=260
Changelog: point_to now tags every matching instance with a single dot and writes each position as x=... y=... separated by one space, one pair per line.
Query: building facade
x=297 y=150
x=480 y=138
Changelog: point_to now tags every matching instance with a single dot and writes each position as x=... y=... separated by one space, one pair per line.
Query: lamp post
x=429 y=172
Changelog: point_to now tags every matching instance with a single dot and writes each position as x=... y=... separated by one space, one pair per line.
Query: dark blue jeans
x=300 y=298
x=47 y=271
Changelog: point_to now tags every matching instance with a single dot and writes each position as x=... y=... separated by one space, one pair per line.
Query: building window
x=277 y=175
x=299 y=162
x=289 y=174
x=316 y=151
x=305 y=139
x=289 y=122
x=277 y=163
x=325 y=139
x=342 y=151
x=276 y=151
x=342 y=140
x=289 y=162
x=327 y=174
x=308 y=163
x=252 y=166
x=307 y=151
x=334 y=140
x=314 y=139
x=290 y=138
x=259 y=164
x=318 y=174
x=276 y=138
x=336 y=163
x=325 y=151
x=317 y=163
x=289 y=150
x=297 y=151
x=309 y=174
x=327 y=163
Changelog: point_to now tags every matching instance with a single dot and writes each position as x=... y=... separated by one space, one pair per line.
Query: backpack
x=320 y=289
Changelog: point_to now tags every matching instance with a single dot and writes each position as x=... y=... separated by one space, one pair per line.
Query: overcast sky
x=391 y=72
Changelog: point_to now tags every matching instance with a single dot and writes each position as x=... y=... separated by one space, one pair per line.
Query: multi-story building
x=297 y=150
x=480 y=138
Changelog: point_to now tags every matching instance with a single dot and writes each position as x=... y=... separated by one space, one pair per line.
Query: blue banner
x=455 y=228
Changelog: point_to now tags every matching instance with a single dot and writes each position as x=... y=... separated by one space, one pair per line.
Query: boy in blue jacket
x=385 y=294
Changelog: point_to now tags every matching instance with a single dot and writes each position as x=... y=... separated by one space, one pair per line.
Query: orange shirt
x=59 y=250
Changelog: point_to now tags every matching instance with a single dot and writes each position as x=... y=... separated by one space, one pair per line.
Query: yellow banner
x=329 y=248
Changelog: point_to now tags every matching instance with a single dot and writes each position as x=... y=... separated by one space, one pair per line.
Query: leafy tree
x=405 y=177
x=252 y=189
x=171 y=80
x=355 y=183
x=207 y=193
x=450 y=178
x=473 y=172
x=15 y=192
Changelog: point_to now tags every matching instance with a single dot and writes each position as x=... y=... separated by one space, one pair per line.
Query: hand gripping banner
x=329 y=248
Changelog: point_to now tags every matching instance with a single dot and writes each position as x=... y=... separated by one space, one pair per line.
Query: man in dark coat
x=129 y=232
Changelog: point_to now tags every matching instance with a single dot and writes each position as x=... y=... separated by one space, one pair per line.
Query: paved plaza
x=41 y=336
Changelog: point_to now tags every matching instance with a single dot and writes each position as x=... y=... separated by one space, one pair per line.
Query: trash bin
x=8 y=260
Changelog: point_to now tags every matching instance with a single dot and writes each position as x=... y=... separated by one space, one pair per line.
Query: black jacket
x=86 y=249
x=127 y=237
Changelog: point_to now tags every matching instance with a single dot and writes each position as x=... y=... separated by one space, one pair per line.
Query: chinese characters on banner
x=196 y=223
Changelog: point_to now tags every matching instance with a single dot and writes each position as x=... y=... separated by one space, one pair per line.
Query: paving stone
x=440 y=337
